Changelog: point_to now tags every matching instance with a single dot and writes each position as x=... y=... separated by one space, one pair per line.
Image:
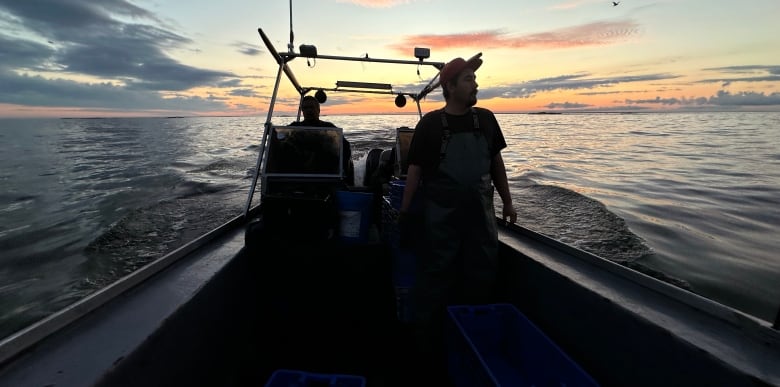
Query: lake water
x=693 y=198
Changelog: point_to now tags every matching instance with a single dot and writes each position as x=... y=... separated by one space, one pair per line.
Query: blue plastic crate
x=389 y=222
x=496 y=345
x=294 y=378
x=397 y=192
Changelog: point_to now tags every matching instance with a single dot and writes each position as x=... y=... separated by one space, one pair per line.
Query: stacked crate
x=403 y=257
x=496 y=345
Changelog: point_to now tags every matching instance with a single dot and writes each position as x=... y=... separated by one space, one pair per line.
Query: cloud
x=612 y=92
x=529 y=89
x=748 y=69
x=247 y=49
x=668 y=101
x=591 y=34
x=752 y=73
x=247 y=92
x=60 y=41
x=40 y=91
x=376 y=3
x=51 y=17
x=567 y=105
x=722 y=98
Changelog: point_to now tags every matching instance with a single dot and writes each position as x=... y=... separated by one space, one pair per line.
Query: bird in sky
x=615 y=3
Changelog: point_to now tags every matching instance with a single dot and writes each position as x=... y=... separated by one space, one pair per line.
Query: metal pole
x=266 y=129
x=291 y=46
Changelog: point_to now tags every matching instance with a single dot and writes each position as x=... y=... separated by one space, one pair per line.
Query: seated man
x=311 y=117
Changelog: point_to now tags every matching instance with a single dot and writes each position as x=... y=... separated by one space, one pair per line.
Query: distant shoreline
x=544 y=112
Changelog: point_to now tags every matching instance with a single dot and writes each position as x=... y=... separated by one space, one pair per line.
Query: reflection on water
x=693 y=198
x=700 y=189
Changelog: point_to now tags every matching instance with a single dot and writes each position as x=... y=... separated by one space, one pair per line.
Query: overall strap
x=476 y=120
x=445 y=137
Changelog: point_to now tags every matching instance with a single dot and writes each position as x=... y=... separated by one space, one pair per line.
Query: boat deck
x=309 y=307
x=334 y=313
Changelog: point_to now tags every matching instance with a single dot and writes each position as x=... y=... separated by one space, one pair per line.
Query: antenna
x=291 y=47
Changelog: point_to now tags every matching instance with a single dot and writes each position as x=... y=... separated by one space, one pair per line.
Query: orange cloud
x=592 y=34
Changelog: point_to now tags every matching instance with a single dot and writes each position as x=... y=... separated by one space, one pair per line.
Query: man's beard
x=472 y=100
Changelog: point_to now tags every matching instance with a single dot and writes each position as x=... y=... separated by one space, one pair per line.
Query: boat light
x=422 y=53
x=321 y=96
x=308 y=50
x=400 y=101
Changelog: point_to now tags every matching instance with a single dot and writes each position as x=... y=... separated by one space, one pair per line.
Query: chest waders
x=458 y=264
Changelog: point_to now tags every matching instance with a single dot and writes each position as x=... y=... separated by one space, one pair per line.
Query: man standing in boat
x=310 y=107
x=455 y=161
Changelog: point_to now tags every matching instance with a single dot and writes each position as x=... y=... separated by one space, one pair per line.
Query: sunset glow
x=165 y=58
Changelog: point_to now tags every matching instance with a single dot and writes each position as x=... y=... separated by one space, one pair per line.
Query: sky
x=86 y=58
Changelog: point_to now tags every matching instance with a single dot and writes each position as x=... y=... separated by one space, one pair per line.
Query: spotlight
x=400 y=101
x=321 y=96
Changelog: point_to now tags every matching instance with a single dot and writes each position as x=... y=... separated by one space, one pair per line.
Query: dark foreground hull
x=227 y=314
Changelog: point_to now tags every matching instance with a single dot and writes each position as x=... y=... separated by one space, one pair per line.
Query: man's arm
x=412 y=182
x=501 y=182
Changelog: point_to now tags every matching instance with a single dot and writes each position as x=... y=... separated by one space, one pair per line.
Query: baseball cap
x=455 y=66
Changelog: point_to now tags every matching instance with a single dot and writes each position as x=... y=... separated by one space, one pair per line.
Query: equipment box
x=294 y=378
x=293 y=216
x=496 y=345
x=403 y=262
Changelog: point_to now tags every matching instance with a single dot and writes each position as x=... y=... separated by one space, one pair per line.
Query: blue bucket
x=355 y=215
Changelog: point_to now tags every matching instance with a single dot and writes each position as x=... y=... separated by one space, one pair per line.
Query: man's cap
x=455 y=66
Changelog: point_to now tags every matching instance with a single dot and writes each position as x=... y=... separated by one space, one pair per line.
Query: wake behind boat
x=309 y=284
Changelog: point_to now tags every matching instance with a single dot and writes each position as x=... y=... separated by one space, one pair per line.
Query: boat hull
x=230 y=313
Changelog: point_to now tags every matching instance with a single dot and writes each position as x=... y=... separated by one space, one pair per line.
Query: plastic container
x=496 y=345
x=389 y=223
x=294 y=378
x=396 y=194
x=355 y=215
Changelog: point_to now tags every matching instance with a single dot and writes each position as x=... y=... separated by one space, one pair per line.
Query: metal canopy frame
x=363 y=85
x=283 y=58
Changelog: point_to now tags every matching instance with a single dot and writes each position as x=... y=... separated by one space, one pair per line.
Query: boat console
x=301 y=175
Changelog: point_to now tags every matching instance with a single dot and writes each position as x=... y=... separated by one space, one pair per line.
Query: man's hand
x=509 y=212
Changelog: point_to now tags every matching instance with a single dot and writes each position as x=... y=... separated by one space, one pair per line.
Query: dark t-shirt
x=426 y=143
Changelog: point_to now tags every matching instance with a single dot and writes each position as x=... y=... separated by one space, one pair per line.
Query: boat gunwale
x=746 y=345
x=748 y=323
x=21 y=341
